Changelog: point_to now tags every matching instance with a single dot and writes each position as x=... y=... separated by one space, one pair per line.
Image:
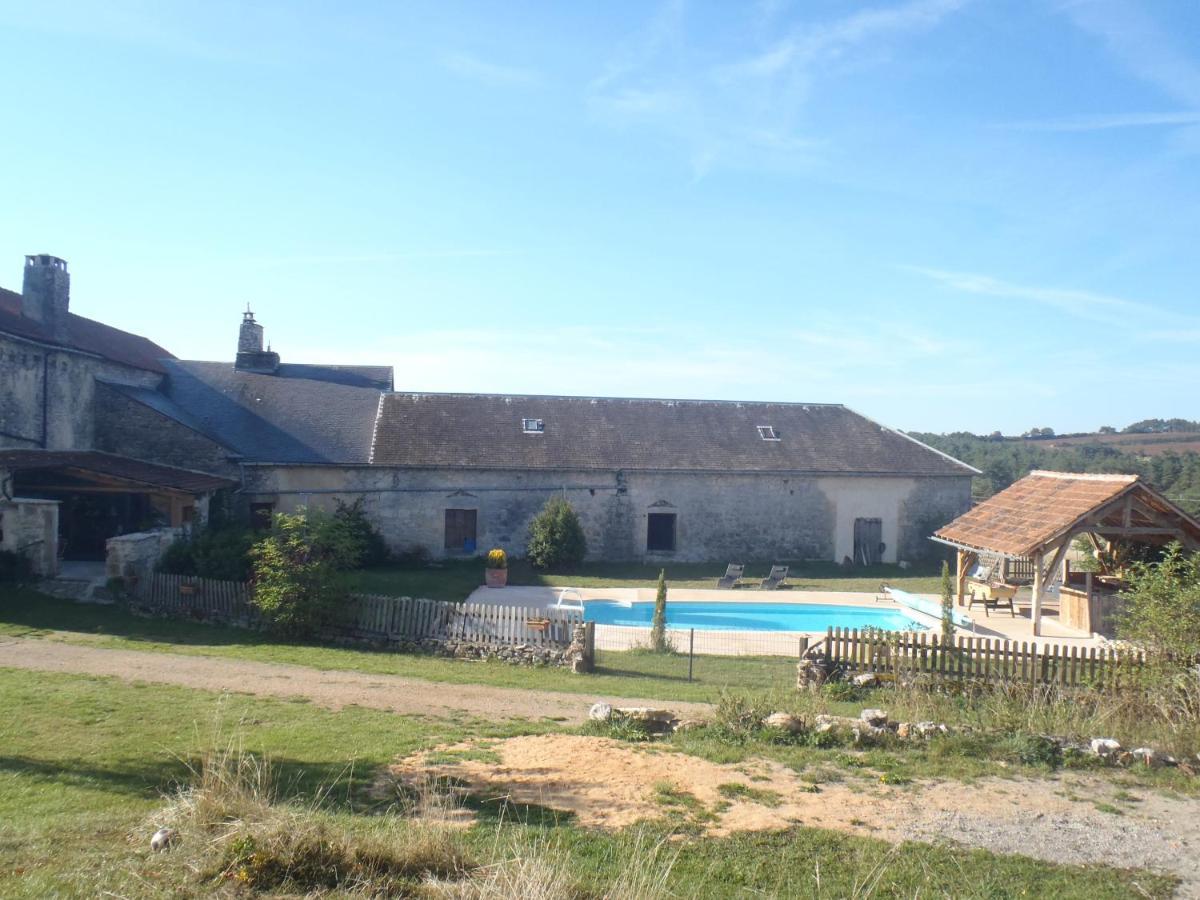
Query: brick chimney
x=250 y=354
x=46 y=293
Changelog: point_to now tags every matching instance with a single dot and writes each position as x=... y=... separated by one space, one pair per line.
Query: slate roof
x=86 y=335
x=301 y=414
x=113 y=466
x=581 y=433
x=1043 y=506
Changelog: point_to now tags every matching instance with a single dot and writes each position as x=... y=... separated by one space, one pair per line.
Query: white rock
x=600 y=712
x=784 y=722
x=1105 y=748
x=1148 y=756
x=865 y=679
x=161 y=839
x=877 y=718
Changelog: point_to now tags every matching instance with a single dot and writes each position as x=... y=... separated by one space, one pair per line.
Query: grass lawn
x=84 y=762
x=619 y=674
x=455 y=579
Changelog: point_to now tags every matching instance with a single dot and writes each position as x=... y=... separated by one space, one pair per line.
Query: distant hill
x=1168 y=458
x=1137 y=444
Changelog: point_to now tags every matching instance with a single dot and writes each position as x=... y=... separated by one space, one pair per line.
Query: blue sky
x=947 y=214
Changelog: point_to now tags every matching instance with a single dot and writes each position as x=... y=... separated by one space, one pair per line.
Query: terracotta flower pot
x=496 y=578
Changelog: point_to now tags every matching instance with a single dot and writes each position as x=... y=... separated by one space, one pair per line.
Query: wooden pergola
x=1035 y=520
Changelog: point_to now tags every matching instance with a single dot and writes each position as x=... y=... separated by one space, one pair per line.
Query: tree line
x=1002 y=462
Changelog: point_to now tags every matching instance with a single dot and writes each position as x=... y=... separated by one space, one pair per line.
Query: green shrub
x=1162 y=606
x=1035 y=750
x=221 y=553
x=372 y=549
x=556 y=539
x=295 y=571
x=659 y=642
x=14 y=566
x=947 y=604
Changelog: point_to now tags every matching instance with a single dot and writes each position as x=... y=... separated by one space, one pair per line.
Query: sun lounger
x=732 y=577
x=776 y=579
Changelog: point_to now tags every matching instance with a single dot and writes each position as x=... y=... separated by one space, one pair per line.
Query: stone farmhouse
x=108 y=433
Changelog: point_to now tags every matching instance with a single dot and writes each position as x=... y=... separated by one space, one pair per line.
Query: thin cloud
x=1106 y=122
x=741 y=111
x=490 y=73
x=1145 y=48
x=1081 y=304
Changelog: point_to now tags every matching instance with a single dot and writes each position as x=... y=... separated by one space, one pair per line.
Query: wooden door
x=460 y=530
x=868 y=541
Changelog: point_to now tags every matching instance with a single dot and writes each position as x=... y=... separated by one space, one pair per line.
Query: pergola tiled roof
x=1037 y=517
x=1043 y=506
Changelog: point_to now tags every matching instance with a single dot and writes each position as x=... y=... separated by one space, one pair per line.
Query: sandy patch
x=606 y=783
x=1072 y=818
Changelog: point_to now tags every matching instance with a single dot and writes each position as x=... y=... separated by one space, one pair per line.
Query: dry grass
x=231 y=831
x=231 y=828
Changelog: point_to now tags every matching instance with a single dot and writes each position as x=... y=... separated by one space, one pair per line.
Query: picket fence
x=985 y=659
x=371 y=616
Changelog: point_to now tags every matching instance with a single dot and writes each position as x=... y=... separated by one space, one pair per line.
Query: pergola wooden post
x=964 y=560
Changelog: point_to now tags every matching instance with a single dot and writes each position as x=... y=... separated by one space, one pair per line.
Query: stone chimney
x=250 y=354
x=46 y=293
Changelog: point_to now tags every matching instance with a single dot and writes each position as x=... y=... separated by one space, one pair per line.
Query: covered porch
x=1017 y=544
x=100 y=495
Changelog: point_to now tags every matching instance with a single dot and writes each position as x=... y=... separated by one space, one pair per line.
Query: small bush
x=497 y=559
x=556 y=539
x=1035 y=750
x=14 y=566
x=221 y=553
x=369 y=547
x=659 y=641
x=295 y=572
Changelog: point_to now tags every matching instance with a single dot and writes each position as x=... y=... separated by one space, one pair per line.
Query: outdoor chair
x=989 y=600
x=732 y=577
x=776 y=579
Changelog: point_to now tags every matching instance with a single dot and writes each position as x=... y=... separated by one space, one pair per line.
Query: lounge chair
x=776 y=579
x=732 y=577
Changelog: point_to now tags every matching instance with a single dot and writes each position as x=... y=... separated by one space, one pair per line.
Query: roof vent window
x=533 y=426
x=768 y=433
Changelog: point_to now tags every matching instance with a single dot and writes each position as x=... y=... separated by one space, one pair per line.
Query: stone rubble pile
x=874 y=724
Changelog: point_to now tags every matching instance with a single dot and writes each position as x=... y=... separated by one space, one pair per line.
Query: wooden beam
x=1035 y=613
x=964 y=559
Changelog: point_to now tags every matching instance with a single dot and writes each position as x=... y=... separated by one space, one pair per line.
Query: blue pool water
x=736 y=616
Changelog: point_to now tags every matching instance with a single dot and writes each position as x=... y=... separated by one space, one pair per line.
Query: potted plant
x=497 y=568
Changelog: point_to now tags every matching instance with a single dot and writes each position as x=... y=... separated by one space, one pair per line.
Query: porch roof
x=133 y=472
x=1044 y=507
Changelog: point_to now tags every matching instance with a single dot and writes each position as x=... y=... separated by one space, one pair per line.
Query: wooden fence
x=370 y=616
x=982 y=659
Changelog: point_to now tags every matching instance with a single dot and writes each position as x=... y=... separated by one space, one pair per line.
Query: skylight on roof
x=533 y=426
x=768 y=433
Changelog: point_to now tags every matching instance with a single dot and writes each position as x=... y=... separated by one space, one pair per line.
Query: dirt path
x=330 y=688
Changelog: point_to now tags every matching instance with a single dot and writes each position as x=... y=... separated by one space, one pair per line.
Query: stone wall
x=733 y=516
x=129 y=428
x=67 y=381
x=30 y=527
x=137 y=554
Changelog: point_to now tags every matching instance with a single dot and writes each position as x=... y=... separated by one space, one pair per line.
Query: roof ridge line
x=484 y=394
x=1086 y=476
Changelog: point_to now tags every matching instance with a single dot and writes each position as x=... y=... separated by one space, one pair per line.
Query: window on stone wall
x=660 y=532
x=460 y=530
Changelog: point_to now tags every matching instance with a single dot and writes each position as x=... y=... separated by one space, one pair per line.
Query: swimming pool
x=737 y=616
